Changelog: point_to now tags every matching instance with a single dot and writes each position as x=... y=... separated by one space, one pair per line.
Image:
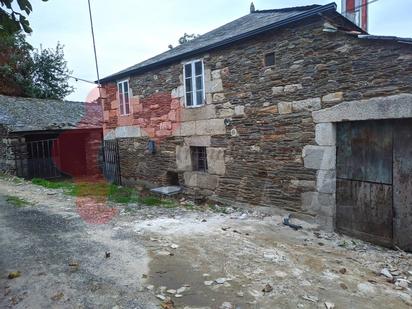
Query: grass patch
x=102 y=190
x=156 y=201
x=65 y=185
x=17 y=201
x=113 y=193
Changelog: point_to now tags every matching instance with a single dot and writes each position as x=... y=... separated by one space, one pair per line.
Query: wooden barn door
x=374 y=181
x=364 y=206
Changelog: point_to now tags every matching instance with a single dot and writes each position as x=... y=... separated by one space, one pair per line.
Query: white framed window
x=124 y=97
x=193 y=72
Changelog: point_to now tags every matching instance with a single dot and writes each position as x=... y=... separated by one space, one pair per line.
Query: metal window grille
x=199 y=159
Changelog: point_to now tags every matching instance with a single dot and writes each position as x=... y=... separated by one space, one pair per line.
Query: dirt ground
x=198 y=259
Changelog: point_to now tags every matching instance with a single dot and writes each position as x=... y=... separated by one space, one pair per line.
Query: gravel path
x=199 y=259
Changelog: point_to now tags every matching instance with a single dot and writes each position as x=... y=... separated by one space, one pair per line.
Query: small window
x=194 y=83
x=199 y=159
x=124 y=97
x=270 y=59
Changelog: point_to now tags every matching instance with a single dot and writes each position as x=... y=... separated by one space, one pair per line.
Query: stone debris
x=181 y=290
x=208 y=283
x=385 y=272
x=150 y=287
x=310 y=298
x=163 y=253
x=178 y=295
x=329 y=305
x=171 y=291
x=174 y=246
x=226 y=305
x=161 y=297
x=57 y=296
x=168 y=304
x=220 y=280
x=240 y=294
x=267 y=289
x=366 y=288
x=402 y=283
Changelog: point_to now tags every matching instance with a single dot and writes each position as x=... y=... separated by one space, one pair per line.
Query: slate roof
x=244 y=27
x=28 y=114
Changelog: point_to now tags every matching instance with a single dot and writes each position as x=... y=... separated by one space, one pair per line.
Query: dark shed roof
x=244 y=27
x=28 y=114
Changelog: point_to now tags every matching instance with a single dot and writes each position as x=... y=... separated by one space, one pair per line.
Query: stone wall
x=12 y=151
x=257 y=158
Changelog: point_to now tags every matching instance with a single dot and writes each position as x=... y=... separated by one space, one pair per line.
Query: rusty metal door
x=364 y=206
x=111 y=166
x=402 y=184
x=40 y=159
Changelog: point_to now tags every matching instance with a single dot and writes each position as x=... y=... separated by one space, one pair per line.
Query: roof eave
x=325 y=8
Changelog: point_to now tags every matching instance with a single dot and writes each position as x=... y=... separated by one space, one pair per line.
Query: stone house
x=248 y=114
x=49 y=138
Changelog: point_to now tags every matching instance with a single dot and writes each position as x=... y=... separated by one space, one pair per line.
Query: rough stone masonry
x=269 y=152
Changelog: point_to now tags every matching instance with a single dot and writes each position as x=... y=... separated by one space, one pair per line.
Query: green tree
x=27 y=72
x=13 y=19
x=50 y=74
x=16 y=65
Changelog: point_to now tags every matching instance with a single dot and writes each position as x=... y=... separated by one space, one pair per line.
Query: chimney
x=357 y=12
x=252 y=8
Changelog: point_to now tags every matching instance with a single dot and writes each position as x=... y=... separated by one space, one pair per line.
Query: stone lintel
x=390 y=107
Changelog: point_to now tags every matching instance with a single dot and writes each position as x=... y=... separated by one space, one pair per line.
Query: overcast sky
x=130 y=31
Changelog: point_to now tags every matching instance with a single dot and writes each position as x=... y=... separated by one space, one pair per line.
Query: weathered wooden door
x=111 y=166
x=402 y=184
x=374 y=181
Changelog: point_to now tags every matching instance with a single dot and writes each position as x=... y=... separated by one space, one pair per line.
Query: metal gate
x=40 y=159
x=111 y=166
x=374 y=181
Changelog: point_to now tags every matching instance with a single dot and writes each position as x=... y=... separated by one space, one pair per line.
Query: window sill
x=196 y=106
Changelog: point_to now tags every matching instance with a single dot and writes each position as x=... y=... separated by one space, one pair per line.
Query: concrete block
x=183 y=158
x=214 y=86
x=332 y=98
x=325 y=134
x=239 y=110
x=216 y=74
x=204 y=112
x=319 y=157
x=109 y=135
x=198 y=141
x=200 y=180
x=285 y=107
x=216 y=161
x=128 y=131
x=187 y=128
x=277 y=90
x=226 y=112
x=326 y=181
x=178 y=92
x=210 y=127
x=319 y=203
x=293 y=88
x=218 y=97
x=308 y=104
